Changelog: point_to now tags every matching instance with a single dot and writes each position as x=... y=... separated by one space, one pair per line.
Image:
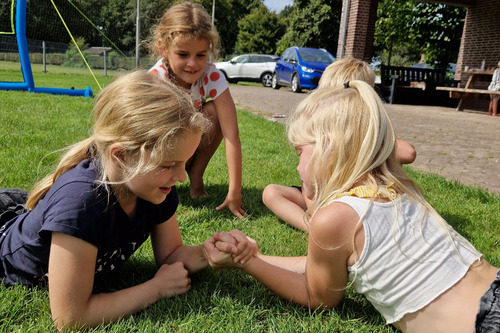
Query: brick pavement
x=461 y=146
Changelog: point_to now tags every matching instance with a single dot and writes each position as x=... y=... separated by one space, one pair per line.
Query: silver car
x=249 y=67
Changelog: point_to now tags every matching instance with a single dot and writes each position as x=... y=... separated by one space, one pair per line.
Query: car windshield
x=313 y=55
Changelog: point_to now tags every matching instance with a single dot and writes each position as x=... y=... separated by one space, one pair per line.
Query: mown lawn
x=34 y=126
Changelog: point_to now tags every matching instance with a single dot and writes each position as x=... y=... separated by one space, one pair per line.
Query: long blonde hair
x=346 y=69
x=180 y=22
x=143 y=113
x=354 y=144
x=354 y=141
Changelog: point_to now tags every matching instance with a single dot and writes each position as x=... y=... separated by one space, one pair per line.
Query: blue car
x=301 y=68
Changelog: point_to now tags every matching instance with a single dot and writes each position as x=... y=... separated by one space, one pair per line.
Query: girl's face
x=155 y=185
x=304 y=168
x=187 y=60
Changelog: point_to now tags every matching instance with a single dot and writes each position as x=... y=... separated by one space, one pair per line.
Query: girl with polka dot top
x=184 y=39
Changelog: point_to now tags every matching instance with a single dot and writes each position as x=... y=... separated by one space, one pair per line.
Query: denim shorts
x=488 y=316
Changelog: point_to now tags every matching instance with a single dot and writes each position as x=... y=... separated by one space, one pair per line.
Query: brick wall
x=481 y=37
x=360 y=29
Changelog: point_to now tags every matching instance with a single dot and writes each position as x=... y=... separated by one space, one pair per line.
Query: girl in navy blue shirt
x=108 y=194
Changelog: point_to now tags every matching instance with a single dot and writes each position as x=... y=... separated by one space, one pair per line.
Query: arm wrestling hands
x=229 y=249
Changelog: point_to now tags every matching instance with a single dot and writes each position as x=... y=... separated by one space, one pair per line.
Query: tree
x=438 y=29
x=414 y=28
x=227 y=15
x=259 y=32
x=312 y=23
x=391 y=30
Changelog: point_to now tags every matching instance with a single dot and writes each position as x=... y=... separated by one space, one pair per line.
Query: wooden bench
x=410 y=77
x=469 y=92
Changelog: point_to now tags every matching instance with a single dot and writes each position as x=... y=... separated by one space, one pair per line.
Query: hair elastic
x=346 y=85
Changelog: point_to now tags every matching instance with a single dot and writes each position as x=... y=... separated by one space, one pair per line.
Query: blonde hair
x=344 y=70
x=354 y=144
x=180 y=22
x=143 y=113
x=354 y=141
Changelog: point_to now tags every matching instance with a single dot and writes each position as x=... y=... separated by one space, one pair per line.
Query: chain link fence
x=60 y=54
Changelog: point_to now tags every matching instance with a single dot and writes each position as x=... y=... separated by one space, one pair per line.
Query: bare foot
x=198 y=193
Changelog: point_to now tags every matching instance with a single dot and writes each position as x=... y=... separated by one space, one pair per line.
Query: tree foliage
x=404 y=28
x=409 y=28
x=312 y=23
x=259 y=31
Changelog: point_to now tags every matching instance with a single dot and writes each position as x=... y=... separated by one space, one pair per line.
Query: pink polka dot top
x=209 y=86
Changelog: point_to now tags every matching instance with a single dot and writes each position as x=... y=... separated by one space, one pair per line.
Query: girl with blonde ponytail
x=371 y=227
x=107 y=195
x=289 y=202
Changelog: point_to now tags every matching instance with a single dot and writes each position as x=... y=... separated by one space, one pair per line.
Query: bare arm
x=226 y=113
x=168 y=247
x=325 y=278
x=71 y=279
x=405 y=152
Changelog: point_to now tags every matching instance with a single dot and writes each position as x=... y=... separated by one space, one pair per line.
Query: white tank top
x=406 y=262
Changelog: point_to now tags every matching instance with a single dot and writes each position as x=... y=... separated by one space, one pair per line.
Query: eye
x=167 y=167
x=298 y=150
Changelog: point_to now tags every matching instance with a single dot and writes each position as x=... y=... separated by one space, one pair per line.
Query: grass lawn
x=36 y=125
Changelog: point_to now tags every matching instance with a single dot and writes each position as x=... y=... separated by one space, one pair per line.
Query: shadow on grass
x=252 y=200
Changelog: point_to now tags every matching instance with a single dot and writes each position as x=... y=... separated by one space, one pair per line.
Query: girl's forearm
x=294 y=264
x=191 y=256
x=285 y=283
x=234 y=164
x=108 y=307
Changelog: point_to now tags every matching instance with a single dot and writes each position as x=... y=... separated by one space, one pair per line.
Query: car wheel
x=296 y=84
x=266 y=79
x=274 y=82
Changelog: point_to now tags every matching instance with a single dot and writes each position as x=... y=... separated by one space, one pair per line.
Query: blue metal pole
x=22 y=44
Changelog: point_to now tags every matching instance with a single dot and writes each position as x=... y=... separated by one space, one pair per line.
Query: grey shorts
x=488 y=316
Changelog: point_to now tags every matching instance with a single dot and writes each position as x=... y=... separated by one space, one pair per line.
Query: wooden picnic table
x=470 y=91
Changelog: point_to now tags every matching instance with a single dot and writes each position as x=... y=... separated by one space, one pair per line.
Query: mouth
x=165 y=190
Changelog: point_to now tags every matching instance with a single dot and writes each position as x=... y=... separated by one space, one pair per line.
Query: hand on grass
x=172 y=280
x=235 y=205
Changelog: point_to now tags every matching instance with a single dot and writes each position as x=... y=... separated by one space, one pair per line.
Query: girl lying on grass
x=371 y=227
x=108 y=194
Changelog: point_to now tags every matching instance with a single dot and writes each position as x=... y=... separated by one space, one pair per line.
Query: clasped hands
x=229 y=249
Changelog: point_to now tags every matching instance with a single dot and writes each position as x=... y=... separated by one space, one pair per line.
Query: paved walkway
x=461 y=146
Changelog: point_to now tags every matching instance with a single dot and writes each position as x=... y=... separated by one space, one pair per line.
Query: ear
x=117 y=154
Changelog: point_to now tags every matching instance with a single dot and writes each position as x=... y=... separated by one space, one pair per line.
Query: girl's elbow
x=71 y=320
x=65 y=323
x=321 y=303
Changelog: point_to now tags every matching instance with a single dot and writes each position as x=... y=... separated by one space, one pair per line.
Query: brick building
x=480 y=41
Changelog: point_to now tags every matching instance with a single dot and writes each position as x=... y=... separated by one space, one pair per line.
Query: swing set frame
x=29 y=83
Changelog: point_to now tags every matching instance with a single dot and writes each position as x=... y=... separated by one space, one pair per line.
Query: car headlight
x=307 y=69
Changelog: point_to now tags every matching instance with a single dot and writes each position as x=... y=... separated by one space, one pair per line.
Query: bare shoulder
x=334 y=225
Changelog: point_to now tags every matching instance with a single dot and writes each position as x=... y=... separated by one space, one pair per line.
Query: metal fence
x=53 y=53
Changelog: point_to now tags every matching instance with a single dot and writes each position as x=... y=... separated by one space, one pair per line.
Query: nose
x=180 y=174
x=191 y=61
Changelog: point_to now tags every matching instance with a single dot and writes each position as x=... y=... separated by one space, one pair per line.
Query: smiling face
x=155 y=185
x=304 y=168
x=187 y=60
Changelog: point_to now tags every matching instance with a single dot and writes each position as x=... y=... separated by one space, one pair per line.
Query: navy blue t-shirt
x=77 y=205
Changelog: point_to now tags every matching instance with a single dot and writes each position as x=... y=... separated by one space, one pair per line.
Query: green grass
x=34 y=125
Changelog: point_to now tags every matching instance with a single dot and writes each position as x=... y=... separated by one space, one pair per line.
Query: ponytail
x=75 y=154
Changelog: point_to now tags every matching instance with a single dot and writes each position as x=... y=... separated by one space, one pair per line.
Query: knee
x=210 y=112
x=270 y=192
